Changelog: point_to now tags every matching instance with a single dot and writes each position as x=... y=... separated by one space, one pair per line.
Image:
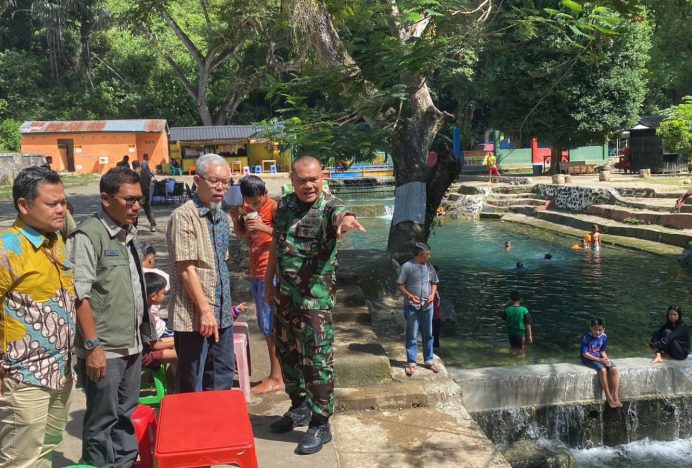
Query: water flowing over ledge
x=550 y=384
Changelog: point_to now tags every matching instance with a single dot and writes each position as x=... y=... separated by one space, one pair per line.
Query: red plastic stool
x=203 y=429
x=144 y=420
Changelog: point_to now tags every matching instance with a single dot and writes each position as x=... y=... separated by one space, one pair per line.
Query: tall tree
x=670 y=67
x=383 y=55
x=576 y=82
x=215 y=48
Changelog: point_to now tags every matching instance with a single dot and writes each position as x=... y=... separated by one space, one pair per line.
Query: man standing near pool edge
x=303 y=258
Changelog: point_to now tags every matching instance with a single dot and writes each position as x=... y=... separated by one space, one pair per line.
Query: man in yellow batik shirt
x=37 y=322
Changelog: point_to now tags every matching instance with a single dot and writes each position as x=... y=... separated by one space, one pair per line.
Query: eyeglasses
x=130 y=201
x=214 y=183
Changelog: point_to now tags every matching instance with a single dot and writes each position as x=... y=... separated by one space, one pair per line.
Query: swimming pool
x=629 y=289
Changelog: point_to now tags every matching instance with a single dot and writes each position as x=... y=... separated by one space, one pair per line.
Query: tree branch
x=414 y=30
x=184 y=38
x=553 y=86
x=171 y=62
x=205 y=11
x=217 y=61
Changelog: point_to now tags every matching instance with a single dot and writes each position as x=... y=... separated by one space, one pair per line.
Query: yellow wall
x=90 y=147
x=257 y=152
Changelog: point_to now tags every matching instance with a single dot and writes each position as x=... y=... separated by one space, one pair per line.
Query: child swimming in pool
x=593 y=354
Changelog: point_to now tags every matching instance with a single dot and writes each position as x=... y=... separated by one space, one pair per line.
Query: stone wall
x=574 y=197
x=12 y=163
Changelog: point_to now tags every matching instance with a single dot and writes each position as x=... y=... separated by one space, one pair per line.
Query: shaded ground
x=263 y=409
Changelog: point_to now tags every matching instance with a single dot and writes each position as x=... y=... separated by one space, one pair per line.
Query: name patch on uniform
x=112 y=253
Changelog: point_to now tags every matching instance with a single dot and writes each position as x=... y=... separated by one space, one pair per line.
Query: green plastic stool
x=159 y=387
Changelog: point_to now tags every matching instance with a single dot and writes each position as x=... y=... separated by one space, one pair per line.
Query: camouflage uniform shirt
x=306 y=251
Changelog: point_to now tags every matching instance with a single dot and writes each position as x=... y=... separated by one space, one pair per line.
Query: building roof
x=649 y=121
x=210 y=133
x=89 y=126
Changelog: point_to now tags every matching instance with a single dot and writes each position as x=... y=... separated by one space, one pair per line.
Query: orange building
x=95 y=146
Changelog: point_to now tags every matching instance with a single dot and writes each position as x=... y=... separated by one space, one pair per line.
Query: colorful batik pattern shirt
x=37 y=319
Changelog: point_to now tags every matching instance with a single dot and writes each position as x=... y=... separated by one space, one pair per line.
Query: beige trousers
x=32 y=420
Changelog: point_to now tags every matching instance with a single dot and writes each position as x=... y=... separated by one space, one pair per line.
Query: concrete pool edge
x=489 y=388
x=619 y=241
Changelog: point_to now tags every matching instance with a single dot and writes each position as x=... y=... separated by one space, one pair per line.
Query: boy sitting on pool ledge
x=593 y=354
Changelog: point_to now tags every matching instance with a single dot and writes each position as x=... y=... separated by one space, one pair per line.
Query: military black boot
x=299 y=415
x=317 y=435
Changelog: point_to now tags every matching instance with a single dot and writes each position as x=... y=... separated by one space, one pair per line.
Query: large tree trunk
x=555 y=157
x=410 y=155
x=415 y=133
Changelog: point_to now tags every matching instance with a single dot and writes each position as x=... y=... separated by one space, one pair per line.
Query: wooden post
x=604 y=176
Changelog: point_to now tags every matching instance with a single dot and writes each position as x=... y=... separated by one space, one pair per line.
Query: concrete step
x=513 y=195
x=516 y=201
x=634 y=216
x=576 y=233
x=523 y=209
x=665 y=205
x=655 y=233
x=391 y=395
x=349 y=295
x=495 y=209
x=493 y=189
x=414 y=437
x=359 y=358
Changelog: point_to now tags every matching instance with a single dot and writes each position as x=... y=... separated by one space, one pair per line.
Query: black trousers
x=672 y=348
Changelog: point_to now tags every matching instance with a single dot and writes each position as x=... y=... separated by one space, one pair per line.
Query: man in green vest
x=111 y=313
x=303 y=257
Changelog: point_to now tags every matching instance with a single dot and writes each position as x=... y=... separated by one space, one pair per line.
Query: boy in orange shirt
x=255 y=221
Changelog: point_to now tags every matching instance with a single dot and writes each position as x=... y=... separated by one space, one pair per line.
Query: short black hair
x=520 y=264
x=304 y=158
x=515 y=296
x=419 y=248
x=112 y=180
x=548 y=256
x=597 y=322
x=148 y=249
x=154 y=282
x=26 y=183
x=252 y=186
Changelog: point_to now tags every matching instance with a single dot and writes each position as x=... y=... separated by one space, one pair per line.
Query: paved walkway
x=440 y=435
x=272 y=449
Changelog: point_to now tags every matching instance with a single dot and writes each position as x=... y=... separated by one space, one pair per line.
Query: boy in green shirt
x=518 y=323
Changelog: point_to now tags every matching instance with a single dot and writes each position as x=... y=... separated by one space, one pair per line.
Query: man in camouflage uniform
x=303 y=258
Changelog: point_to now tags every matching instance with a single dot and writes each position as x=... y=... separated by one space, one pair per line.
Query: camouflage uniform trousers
x=304 y=348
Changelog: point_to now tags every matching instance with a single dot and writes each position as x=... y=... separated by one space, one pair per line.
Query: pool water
x=629 y=289
x=641 y=454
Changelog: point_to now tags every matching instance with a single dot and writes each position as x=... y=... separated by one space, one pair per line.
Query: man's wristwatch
x=91 y=344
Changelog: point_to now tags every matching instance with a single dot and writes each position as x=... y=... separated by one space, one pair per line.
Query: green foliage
x=670 y=68
x=10 y=138
x=676 y=129
x=577 y=82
